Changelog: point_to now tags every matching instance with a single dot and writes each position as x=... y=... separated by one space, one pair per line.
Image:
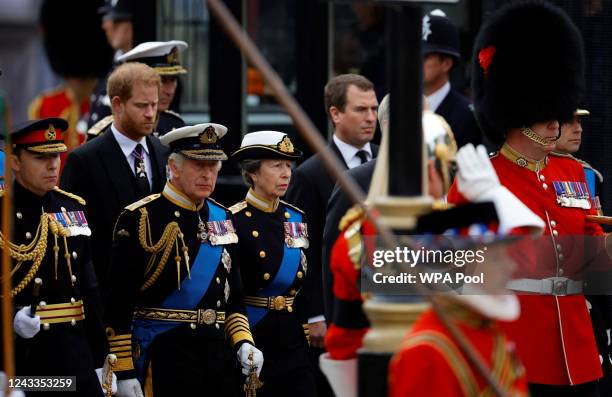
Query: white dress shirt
x=127 y=147
x=349 y=152
x=435 y=99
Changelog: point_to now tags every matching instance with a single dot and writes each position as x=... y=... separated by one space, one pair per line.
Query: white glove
x=99 y=374
x=478 y=182
x=341 y=374
x=476 y=174
x=243 y=357
x=129 y=388
x=24 y=325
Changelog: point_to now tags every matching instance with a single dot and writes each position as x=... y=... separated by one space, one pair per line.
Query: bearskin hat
x=74 y=40
x=527 y=67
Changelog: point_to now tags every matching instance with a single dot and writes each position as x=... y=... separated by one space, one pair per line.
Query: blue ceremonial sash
x=590 y=177
x=191 y=293
x=284 y=277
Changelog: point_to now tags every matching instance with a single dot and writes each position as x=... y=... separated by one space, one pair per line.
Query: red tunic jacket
x=554 y=335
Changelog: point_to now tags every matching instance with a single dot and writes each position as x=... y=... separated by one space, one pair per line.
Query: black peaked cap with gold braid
x=40 y=136
x=197 y=142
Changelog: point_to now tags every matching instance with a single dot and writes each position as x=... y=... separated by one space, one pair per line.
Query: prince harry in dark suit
x=124 y=164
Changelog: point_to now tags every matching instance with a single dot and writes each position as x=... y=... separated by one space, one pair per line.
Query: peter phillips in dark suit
x=123 y=165
x=441 y=54
x=352 y=107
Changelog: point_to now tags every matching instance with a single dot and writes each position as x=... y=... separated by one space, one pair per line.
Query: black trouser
x=298 y=383
x=589 y=389
x=61 y=351
x=183 y=365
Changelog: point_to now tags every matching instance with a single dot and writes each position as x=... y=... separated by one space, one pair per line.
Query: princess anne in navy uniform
x=272 y=237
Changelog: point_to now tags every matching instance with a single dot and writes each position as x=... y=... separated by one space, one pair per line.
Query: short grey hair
x=248 y=167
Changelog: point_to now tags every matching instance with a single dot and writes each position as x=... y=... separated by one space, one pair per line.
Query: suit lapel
x=338 y=153
x=120 y=175
x=159 y=157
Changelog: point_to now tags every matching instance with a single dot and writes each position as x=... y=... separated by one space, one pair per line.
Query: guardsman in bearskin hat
x=77 y=52
x=176 y=290
x=527 y=80
x=163 y=56
x=272 y=238
x=349 y=325
x=58 y=326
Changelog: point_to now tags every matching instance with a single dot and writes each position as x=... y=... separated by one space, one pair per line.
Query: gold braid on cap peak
x=169 y=239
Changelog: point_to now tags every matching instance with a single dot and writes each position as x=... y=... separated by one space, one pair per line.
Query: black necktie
x=142 y=182
x=363 y=156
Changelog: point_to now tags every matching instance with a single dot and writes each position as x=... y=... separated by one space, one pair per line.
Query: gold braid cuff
x=237 y=329
x=120 y=346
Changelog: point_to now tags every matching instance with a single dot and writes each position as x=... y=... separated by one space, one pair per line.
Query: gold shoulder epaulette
x=584 y=164
x=141 y=202
x=100 y=126
x=239 y=206
x=173 y=113
x=559 y=154
x=351 y=215
x=80 y=199
x=293 y=206
x=216 y=202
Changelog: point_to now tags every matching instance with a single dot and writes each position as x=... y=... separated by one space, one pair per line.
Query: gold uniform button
x=292 y=292
x=192 y=325
x=289 y=309
x=553 y=223
x=177 y=214
x=266 y=276
x=28 y=235
x=287 y=215
x=218 y=280
x=555 y=233
x=262 y=254
x=248 y=213
x=300 y=274
x=255 y=233
x=19 y=215
x=46 y=326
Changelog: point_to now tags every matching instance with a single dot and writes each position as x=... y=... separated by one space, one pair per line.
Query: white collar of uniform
x=126 y=144
x=349 y=151
x=261 y=203
x=435 y=99
x=177 y=197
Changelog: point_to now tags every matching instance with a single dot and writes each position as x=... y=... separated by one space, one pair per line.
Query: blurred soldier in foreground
x=163 y=56
x=521 y=106
x=273 y=236
x=50 y=243
x=176 y=309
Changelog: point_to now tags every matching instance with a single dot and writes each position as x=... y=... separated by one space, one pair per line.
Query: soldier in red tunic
x=526 y=82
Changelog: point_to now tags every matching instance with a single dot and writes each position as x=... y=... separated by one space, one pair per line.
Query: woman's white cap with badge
x=163 y=56
x=197 y=142
x=266 y=145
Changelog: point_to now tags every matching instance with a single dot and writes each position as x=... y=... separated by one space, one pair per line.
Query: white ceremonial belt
x=547 y=286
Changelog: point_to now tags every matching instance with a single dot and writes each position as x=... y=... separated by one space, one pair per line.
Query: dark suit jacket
x=337 y=206
x=457 y=111
x=99 y=172
x=310 y=188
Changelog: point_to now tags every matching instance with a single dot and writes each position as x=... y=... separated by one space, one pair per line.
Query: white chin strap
x=531 y=134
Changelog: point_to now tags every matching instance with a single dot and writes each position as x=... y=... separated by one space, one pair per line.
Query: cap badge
x=426 y=27
x=50 y=135
x=209 y=136
x=172 y=58
x=285 y=145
